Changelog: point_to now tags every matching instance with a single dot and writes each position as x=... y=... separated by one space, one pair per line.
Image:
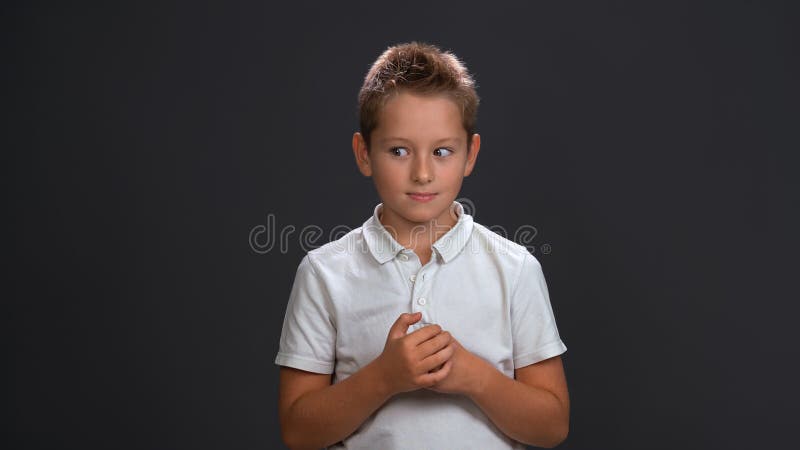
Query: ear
x=361 y=154
x=472 y=154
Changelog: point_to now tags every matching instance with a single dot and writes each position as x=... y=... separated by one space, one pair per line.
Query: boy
x=422 y=328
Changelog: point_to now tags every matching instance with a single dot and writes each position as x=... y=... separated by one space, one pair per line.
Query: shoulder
x=503 y=250
x=514 y=260
x=337 y=253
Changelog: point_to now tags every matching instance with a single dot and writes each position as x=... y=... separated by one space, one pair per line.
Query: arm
x=313 y=413
x=533 y=408
x=316 y=414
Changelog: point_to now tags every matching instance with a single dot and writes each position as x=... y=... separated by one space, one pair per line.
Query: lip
x=422 y=196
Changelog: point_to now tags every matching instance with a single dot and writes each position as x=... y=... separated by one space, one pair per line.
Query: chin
x=426 y=216
x=413 y=211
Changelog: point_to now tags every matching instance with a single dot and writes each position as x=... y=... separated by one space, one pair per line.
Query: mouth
x=422 y=196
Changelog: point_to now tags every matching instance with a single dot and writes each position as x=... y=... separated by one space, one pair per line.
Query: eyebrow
x=389 y=139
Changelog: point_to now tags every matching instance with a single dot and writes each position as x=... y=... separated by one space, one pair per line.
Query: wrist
x=379 y=378
x=482 y=377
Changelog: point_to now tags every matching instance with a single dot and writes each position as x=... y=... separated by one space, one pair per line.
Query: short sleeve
x=308 y=337
x=533 y=324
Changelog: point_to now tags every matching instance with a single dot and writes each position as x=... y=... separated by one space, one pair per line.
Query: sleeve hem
x=307 y=364
x=548 y=351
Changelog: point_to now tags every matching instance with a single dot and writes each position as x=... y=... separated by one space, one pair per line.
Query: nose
x=422 y=170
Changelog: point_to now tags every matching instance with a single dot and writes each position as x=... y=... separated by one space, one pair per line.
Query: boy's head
x=418 y=108
x=420 y=69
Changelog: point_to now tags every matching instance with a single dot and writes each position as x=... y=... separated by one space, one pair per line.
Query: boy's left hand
x=466 y=372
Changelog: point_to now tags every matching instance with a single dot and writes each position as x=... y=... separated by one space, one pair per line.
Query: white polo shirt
x=487 y=291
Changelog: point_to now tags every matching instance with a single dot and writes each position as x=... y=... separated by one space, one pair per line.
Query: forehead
x=420 y=117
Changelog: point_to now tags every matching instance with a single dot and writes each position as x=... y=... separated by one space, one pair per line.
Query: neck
x=417 y=236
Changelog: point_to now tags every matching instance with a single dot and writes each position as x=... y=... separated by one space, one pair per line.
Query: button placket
x=405 y=266
x=417 y=304
x=422 y=299
x=420 y=295
x=416 y=276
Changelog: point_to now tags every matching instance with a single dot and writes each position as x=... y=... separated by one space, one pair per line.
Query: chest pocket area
x=481 y=327
x=365 y=319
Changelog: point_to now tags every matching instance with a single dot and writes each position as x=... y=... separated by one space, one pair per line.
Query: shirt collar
x=384 y=247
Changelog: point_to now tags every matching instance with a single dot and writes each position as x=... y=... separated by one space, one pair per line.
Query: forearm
x=525 y=413
x=321 y=418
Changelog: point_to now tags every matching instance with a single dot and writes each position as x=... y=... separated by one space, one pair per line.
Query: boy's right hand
x=407 y=359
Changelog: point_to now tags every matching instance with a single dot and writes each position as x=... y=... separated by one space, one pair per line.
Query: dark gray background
x=652 y=145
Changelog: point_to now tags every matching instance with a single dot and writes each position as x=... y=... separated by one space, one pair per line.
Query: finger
x=442 y=373
x=439 y=367
x=430 y=379
x=434 y=344
x=423 y=334
x=400 y=326
x=437 y=359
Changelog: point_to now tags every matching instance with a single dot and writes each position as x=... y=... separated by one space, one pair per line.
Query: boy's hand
x=465 y=373
x=408 y=359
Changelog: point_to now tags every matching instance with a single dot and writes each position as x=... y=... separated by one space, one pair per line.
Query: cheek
x=387 y=179
x=453 y=175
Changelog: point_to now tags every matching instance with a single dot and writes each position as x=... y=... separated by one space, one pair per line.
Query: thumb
x=400 y=326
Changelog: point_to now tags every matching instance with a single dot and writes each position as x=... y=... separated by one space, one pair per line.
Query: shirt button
x=413 y=278
x=404 y=257
x=422 y=301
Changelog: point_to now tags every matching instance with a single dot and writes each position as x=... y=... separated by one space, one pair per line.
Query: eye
x=447 y=151
x=398 y=151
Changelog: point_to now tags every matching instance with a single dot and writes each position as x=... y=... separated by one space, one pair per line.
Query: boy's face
x=419 y=146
